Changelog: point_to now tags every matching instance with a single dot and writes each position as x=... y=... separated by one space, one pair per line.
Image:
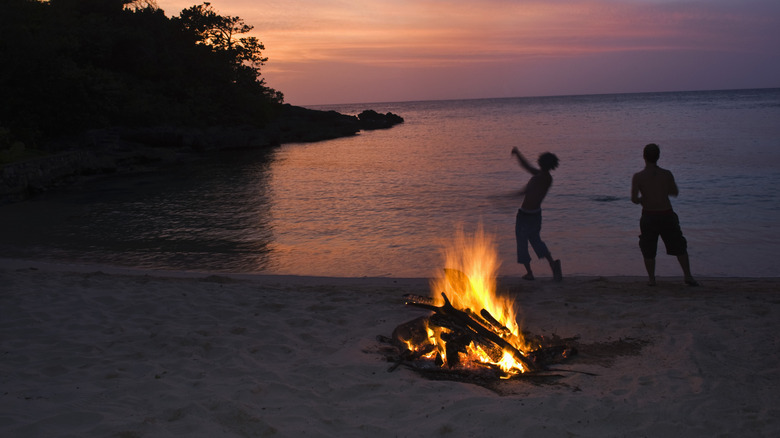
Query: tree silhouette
x=72 y=65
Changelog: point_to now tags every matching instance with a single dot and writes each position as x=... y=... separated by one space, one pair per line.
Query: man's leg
x=685 y=264
x=555 y=266
x=677 y=244
x=529 y=275
x=541 y=250
x=650 y=267
x=648 y=244
x=543 y=253
x=521 y=235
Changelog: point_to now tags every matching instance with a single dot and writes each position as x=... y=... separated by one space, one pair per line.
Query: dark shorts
x=666 y=225
x=527 y=229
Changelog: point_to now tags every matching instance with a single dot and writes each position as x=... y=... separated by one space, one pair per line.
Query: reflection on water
x=383 y=203
x=193 y=217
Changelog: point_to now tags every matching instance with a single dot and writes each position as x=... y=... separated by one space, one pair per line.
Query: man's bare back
x=538 y=185
x=536 y=190
x=655 y=185
x=652 y=187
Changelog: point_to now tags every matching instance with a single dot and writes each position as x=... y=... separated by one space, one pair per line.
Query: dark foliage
x=71 y=65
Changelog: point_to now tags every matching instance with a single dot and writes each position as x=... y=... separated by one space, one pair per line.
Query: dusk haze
x=326 y=51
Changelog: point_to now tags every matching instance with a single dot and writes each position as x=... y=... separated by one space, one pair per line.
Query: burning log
x=437 y=344
x=474 y=332
x=467 y=324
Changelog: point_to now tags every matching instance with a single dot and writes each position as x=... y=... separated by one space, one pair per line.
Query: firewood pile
x=411 y=345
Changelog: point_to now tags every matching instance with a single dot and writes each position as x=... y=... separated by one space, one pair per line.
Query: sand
x=97 y=352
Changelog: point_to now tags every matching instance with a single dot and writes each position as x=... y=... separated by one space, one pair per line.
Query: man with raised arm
x=528 y=224
x=651 y=187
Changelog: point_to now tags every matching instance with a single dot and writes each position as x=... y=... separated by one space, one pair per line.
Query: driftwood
x=469 y=326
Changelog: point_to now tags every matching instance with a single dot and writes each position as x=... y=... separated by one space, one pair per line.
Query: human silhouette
x=651 y=187
x=528 y=224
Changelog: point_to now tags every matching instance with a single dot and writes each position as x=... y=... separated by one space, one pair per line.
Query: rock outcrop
x=117 y=150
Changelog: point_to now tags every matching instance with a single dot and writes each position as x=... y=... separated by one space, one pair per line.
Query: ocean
x=384 y=203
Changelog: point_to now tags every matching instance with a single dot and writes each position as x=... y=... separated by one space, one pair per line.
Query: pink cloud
x=416 y=47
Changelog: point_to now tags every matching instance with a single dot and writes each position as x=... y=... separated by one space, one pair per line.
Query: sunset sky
x=364 y=51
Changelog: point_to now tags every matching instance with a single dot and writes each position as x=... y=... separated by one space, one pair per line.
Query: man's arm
x=635 y=198
x=673 y=190
x=524 y=163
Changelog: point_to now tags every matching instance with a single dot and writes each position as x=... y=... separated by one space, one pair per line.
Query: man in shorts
x=528 y=223
x=651 y=187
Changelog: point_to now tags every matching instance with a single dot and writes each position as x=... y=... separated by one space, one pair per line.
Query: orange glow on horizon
x=302 y=36
x=368 y=32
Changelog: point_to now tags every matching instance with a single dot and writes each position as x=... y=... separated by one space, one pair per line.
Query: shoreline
x=96 y=351
x=10 y=264
x=116 y=151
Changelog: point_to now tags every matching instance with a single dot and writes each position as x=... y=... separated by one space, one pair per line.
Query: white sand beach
x=95 y=352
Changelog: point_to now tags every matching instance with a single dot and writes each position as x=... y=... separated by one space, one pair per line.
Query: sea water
x=385 y=202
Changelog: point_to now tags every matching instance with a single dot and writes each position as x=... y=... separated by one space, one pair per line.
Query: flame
x=469 y=281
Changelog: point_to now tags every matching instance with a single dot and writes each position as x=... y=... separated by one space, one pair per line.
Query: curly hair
x=548 y=161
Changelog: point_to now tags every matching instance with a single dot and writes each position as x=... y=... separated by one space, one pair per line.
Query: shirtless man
x=651 y=188
x=528 y=224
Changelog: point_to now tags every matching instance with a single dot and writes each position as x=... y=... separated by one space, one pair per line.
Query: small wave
x=605 y=198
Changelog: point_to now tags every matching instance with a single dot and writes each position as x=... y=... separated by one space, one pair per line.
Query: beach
x=108 y=352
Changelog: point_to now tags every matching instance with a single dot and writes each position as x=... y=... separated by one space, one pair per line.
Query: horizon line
x=538 y=96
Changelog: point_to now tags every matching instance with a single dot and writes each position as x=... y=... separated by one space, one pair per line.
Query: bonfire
x=471 y=330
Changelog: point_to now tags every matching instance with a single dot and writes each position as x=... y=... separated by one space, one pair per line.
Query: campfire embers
x=462 y=344
x=471 y=331
x=462 y=333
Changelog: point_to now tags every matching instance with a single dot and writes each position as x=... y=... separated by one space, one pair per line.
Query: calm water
x=384 y=202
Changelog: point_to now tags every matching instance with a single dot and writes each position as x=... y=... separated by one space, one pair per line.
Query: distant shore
x=125 y=150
